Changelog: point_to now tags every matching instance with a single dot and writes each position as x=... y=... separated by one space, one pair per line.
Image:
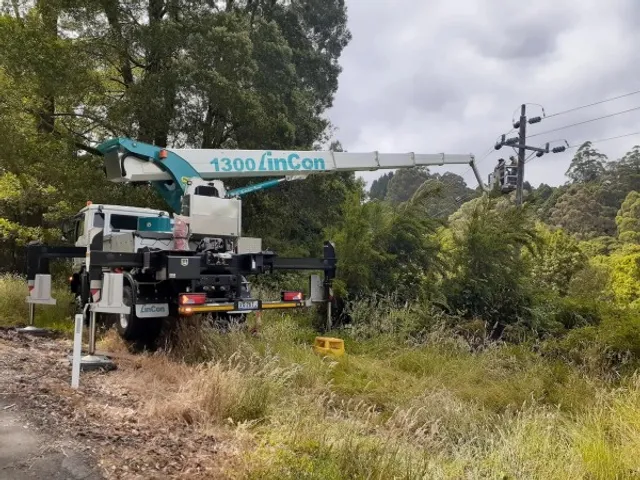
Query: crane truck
x=138 y=266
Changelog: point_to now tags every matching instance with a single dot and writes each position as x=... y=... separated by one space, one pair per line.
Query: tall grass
x=415 y=401
x=395 y=409
x=14 y=311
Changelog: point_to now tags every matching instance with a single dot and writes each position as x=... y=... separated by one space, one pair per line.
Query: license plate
x=248 y=305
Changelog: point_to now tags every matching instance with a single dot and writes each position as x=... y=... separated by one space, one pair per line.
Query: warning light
x=163 y=154
x=291 y=296
x=193 y=299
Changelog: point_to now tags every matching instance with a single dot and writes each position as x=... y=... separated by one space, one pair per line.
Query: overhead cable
x=592 y=104
x=606 y=139
x=585 y=121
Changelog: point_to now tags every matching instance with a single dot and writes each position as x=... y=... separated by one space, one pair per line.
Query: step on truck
x=137 y=267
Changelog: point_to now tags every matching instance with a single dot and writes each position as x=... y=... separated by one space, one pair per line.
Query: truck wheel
x=134 y=329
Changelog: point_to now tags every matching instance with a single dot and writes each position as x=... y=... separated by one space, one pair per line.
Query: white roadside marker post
x=77 y=351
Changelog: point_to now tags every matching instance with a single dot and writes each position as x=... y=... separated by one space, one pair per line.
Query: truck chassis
x=170 y=284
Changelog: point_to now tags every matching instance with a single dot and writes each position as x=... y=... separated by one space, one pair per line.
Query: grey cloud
x=531 y=45
x=527 y=38
x=446 y=76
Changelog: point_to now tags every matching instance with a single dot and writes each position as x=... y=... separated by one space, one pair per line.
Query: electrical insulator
x=511 y=141
x=498 y=146
x=558 y=149
x=535 y=120
x=516 y=124
x=539 y=154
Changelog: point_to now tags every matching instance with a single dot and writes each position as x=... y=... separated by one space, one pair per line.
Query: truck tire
x=134 y=329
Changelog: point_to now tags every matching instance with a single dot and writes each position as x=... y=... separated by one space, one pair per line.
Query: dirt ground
x=48 y=430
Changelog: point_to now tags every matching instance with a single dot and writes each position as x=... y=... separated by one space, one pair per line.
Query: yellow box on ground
x=329 y=346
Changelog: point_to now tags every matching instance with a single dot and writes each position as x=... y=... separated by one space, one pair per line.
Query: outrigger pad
x=95 y=362
x=31 y=330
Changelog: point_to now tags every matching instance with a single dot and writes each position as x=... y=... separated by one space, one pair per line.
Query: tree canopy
x=260 y=74
x=242 y=74
x=588 y=165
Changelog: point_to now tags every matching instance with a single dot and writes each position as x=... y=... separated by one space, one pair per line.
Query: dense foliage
x=262 y=73
x=565 y=265
x=431 y=272
x=244 y=73
x=397 y=187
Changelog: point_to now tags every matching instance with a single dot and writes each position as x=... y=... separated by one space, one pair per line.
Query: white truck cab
x=109 y=219
x=116 y=222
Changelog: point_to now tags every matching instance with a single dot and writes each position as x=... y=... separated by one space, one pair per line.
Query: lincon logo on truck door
x=151 y=310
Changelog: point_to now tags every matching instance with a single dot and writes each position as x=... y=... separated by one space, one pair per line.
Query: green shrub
x=609 y=348
x=488 y=277
x=574 y=313
x=14 y=311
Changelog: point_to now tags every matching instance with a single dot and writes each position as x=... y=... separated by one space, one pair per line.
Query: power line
x=607 y=139
x=592 y=142
x=484 y=157
x=530 y=157
x=585 y=121
x=457 y=203
x=513 y=115
x=592 y=104
x=520 y=142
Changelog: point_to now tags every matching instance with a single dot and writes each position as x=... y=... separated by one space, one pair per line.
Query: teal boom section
x=177 y=167
x=238 y=192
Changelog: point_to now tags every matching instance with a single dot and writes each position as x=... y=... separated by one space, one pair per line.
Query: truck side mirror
x=67 y=229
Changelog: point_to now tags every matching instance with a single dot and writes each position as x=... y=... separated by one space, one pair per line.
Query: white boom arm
x=214 y=164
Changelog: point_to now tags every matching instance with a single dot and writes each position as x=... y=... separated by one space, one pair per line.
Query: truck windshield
x=123 y=222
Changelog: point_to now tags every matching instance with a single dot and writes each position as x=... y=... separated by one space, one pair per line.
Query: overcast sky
x=433 y=76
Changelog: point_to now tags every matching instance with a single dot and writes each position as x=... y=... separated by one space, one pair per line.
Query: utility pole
x=521 y=151
x=520 y=142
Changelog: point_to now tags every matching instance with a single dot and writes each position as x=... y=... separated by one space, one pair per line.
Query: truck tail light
x=193 y=299
x=292 y=296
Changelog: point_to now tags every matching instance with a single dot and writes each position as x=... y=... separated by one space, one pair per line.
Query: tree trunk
x=155 y=125
x=110 y=8
x=46 y=114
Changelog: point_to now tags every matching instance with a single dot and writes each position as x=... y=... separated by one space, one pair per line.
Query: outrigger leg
x=39 y=293
x=91 y=361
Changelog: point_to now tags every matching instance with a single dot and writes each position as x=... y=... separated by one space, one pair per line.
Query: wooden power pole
x=522 y=148
x=520 y=143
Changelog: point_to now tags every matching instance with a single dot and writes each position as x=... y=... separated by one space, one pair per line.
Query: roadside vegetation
x=486 y=345
x=482 y=340
x=14 y=311
x=395 y=406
